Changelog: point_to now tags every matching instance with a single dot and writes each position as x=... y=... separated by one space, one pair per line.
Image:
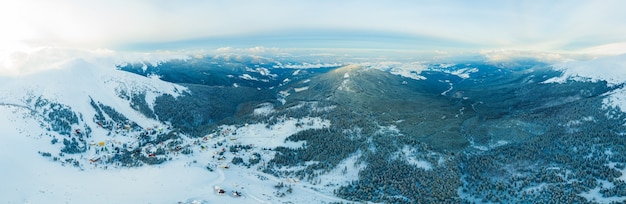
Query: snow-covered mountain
x=82 y=133
x=79 y=83
x=250 y=129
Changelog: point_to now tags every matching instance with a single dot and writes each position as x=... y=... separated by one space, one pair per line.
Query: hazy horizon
x=556 y=29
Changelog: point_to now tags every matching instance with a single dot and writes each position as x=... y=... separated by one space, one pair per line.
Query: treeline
x=60 y=117
x=558 y=166
x=117 y=119
x=194 y=113
x=325 y=148
x=396 y=181
x=138 y=102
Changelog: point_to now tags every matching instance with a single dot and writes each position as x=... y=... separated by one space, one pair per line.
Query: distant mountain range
x=350 y=132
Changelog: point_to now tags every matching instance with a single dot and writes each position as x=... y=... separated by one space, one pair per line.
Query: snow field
x=610 y=69
x=262 y=136
x=32 y=178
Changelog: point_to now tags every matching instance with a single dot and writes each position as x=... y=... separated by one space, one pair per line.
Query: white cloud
x=305 y=65
x=496 y=56
x=257 y=50
x=521 y=25
x=611 y=69
x=45 y=58
x=607 y=49
x=31 y=28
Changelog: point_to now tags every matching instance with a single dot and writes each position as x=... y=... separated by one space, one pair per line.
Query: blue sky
x=560 y=26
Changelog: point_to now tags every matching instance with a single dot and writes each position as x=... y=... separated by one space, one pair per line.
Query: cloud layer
x=31 y=28
x=487 y=25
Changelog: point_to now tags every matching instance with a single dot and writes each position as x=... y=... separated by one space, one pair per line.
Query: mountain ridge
x=454 y=129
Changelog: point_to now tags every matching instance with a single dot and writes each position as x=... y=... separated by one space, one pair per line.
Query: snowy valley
x=249 y=129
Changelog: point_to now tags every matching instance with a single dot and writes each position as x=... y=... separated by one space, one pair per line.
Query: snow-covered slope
x=28 y=176
x=86 y=133
x=610 y=69
x=78 y=81
x=35 y=171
